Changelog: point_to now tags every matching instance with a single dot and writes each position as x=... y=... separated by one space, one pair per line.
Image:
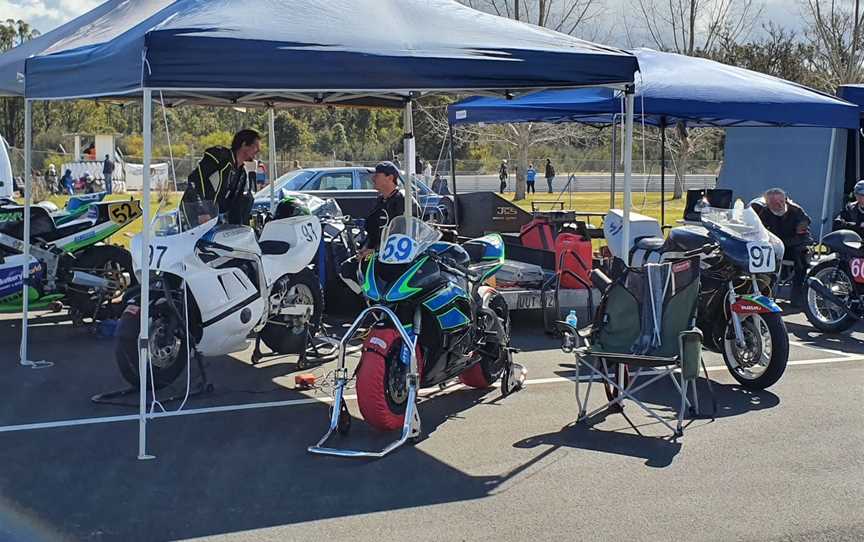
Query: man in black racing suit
x=222 y=178
x=852 y=216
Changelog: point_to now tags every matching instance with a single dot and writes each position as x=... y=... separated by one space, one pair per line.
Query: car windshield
x=294 y=180
x=184 y=218
x=401 y=243
x=741 y=222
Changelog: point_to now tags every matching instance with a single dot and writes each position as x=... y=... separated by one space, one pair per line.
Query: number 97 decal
x=761 y=257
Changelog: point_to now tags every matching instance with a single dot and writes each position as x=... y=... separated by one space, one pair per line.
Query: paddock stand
x=200 y=387
x=312 y=355
x=339 y=416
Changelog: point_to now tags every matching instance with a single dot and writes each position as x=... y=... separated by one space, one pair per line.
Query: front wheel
x=761 y=360
x=286 y=334
x=169 y=353
x=823 y=314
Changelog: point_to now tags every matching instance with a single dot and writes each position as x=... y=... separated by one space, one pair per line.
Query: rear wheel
x=493 y=359
x=823 y=314
x=761 y=361
x=108 y=262
x=286 y=334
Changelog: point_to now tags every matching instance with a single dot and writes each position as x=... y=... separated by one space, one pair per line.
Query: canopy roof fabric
x=853 y=94
x=361 y=52
x=673 y=88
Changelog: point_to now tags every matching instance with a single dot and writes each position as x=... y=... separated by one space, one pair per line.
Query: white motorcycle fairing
x=229 y=302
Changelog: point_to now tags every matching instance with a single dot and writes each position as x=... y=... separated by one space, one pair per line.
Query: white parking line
x=812 y=346
x=313 y=400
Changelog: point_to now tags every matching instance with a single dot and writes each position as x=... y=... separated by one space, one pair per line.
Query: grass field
x=648 y=204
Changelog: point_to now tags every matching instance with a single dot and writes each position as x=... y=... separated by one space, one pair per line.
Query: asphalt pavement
x=784 y=464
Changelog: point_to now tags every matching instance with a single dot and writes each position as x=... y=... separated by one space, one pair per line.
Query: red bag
x=538 y=234
x=573 y=254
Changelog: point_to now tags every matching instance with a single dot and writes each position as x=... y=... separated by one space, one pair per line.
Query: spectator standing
x=296 y=165
x=503 y=175
x=530 y=177
x=51 y=180
x=108 y=173
x=68 y=182
x=550 y=174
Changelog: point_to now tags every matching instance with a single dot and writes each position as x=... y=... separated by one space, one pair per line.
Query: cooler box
x=538 y=234
x=573 y=254
x=640 y=226
x=519 y=274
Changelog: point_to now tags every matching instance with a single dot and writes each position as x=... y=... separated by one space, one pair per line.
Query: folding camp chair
x=644 y=330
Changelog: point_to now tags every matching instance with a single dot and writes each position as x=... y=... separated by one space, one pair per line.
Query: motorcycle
x=69 y=262
x=835 y=285
x=740 y=259
x=214 y=284
x=436 y=321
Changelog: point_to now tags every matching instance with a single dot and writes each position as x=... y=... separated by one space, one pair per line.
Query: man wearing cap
x=390 y=204
x=852 y=217
x=785 y=219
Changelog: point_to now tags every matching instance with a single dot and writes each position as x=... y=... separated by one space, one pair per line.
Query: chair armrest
x=572 y=338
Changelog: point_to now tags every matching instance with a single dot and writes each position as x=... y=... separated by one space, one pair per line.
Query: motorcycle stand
x=513 y=377
x=339 y=416
x=200 y=387
x=312 y=355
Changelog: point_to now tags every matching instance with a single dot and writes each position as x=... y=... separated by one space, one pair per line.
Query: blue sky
x=48 y=14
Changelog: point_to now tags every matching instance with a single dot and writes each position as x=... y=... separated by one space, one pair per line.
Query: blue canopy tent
x=854 y=94
x=298 y=52
x=673 y=88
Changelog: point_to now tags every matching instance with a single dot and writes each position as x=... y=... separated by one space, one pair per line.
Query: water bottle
x=572 y=320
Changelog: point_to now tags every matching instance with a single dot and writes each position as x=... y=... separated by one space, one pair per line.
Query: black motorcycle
x=835 y=286
x=736 y=313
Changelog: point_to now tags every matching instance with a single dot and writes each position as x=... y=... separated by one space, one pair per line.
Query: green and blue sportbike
x=437 y=321
x=69 y=262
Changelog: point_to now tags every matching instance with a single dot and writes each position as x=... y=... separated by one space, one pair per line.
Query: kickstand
x=202 y=386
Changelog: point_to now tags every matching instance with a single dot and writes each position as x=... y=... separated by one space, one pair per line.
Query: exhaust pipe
x=80 y=278
x=829 y=296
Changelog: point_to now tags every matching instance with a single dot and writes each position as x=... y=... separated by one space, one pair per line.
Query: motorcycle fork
x=736 y=318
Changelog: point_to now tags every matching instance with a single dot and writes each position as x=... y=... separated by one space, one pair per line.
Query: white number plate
x=398 y=249
x=761 y=256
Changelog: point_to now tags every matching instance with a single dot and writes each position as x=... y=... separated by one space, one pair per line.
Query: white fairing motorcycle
x=213 y=286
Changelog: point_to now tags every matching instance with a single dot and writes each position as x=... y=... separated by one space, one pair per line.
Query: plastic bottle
x=572 y=320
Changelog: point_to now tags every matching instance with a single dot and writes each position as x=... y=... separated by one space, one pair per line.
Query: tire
x=292 y=340
x=106 y=261
x=492 y=364
x=382 y=390
x=823 y=315
x=166 y=368
x=772 y=324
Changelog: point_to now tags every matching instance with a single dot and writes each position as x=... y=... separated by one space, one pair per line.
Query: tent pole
x=143 y=340
x=857 y=154
x=408 y=126
x=453 y=175
x=25 y=266
x=628 y=169
x=271 y=146
x=614 y=159
x=825 y=197
x=663 y=171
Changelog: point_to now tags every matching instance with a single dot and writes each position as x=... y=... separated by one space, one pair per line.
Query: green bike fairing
x=402 y=288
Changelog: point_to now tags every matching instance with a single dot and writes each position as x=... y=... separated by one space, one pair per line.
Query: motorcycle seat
x=649 y=243
x=274 y=248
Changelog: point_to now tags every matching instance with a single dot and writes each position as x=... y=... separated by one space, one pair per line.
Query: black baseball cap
x=387 y=168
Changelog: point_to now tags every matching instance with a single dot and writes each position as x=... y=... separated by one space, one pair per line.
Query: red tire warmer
x=381 y=344
x=573 y=256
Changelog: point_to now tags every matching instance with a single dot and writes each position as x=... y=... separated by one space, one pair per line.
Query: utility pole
x=516 y=9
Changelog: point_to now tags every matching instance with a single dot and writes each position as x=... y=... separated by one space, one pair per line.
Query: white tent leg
x=628 y=171
x=828 y=170
x=25 y=268
x=271 y=167
x=143 y=338
x=408 y=125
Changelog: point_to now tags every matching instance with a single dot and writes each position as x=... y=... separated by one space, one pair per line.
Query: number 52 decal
x=123 y=212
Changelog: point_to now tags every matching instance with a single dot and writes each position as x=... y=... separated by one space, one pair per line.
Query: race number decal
x=307 y=232
x=157 y=252
x=761 y=256
x=399 y=249
x=123 y=212
x=857 y=268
